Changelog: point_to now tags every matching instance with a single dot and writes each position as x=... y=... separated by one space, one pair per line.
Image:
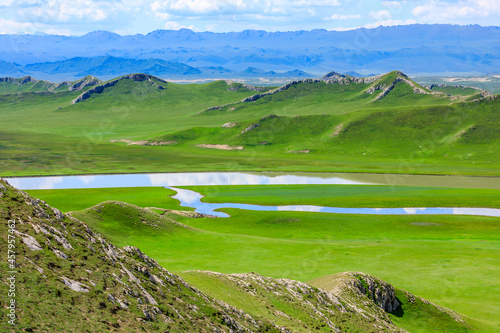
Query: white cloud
x=238 y=7
x=343 y=17
x=393 y=4
x=438 y=11
x=389 y=23
x=171 y=25
x=380 y=15
x=13 y=27
x=385 y=23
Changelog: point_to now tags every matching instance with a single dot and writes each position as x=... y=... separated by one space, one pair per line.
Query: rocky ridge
x=342 y=79
x=87 y=81
x=135 y=77
x=82 y=277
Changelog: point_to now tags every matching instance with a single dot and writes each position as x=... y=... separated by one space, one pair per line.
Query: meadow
x=449 y=260
x=318 y=127
x=312 y=126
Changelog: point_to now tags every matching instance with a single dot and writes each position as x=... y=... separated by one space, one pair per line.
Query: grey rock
x=74 y=285
x=30 y=241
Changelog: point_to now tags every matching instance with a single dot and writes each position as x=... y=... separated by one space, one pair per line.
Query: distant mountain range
x=415 y=49
x=107 y=67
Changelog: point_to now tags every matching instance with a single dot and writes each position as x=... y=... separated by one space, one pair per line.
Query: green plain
x=78 y=199
x=376 y=196
x=449 y=260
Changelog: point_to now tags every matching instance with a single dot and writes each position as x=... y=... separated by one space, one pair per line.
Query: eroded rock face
x=381 y=292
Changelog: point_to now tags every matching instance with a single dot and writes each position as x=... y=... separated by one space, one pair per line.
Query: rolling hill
x=138 y=122
x=69 y=276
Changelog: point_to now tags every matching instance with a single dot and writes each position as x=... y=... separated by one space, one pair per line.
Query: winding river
x=192 y=199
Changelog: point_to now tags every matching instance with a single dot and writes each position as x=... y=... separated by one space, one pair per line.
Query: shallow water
x=192 y=199
x=237 y=178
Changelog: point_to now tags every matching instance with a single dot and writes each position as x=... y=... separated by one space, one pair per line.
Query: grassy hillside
x=457 y=251
x=79 y=199
x=69 y=278
x=30 y=84
x=386 y=124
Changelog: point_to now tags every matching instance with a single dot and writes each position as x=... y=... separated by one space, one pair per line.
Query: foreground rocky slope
x=68 y=278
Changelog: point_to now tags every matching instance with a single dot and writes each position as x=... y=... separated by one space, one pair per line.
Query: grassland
x=312 y=126
x=350 y=195
x=79 y=199
x=457 y=251
x=320 y=127
x=446 y=259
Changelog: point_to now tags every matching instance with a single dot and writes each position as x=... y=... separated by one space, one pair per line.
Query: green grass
x=421 y=317
x=350 y=195
x=79 y=199
x=446 y=259
x=456 y=90
x=341 y=126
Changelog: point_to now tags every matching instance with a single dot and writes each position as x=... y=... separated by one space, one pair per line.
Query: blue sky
x=77 y=17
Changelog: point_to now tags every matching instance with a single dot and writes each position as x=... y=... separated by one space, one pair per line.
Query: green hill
x=140 y=123
x=29 y=84
x=69 y=277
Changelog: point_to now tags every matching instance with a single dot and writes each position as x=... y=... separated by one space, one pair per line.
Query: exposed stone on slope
x=152 y=294
x=87 y=81
x=229 y=125
x=381 y=292
x=235 y=86
x=100 y=88
x=386 y=88
x=30 y=241
x=249 y=128
x=74 y=285
x=320 y=305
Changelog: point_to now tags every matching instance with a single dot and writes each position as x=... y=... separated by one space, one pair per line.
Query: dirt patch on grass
x=220 y=147
x=145 y=142
x=303 y=151
x=425 y=223
x=337 y=130
x=461 y=133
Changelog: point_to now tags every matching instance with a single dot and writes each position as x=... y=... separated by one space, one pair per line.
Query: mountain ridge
x=438 y=49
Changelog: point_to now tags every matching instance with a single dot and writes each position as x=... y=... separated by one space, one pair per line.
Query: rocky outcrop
x=229 y=125
x=74 y=285
x=87 y=81
x=387 y=87
x=47 y=86
x=18 y=81
x=235 y=86
x=380 y=292
x=325 y=308
x=135 y=77
x=330 y=78
x=249 y=128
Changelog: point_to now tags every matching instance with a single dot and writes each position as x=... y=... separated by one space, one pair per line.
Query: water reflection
x=171 y=179
x=238 y=178
x=192 y=199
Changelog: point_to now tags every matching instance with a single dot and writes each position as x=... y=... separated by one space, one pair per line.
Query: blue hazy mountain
x=415 y=49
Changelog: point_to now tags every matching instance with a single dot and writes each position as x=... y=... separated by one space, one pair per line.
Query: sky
x=128 y=17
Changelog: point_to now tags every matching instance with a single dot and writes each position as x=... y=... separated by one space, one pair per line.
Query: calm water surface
x=236 y=178
x=192 y=199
